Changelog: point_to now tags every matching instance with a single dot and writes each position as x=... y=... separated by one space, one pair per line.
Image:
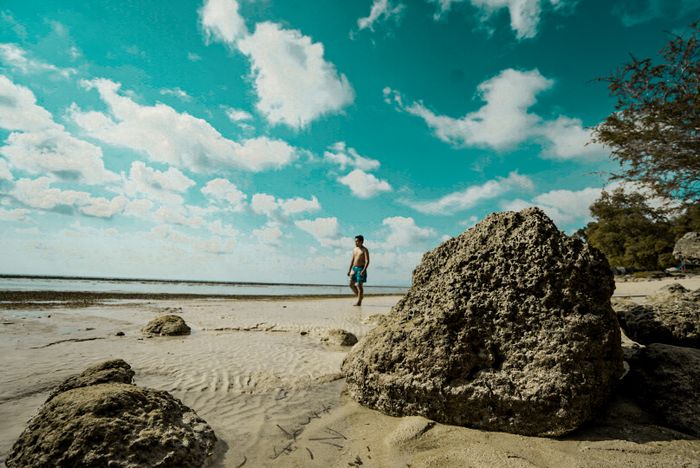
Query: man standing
x=358 y=268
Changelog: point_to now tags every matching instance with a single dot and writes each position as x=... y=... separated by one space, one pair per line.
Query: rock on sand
x=665 y=380
x=671 y=316
x=167 y=325
x=506 y=327
x=114 y=371
x=113 y=424
x=339 y=337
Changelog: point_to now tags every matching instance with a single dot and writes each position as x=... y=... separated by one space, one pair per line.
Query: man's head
x=359 y=239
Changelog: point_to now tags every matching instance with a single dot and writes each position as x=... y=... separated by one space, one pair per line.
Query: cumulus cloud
x=179 y=139
x=268 y=205
x=179 y=215
x=57 y=152
x=162 y=186
x=363 y=184
x=16 y=57
x=325 y=230
x=403 y=232
x=524 y=14
x=269 y=234
x=504 y=121
x=5 y=173
x=471 y=196
x=221 y=21
x=38 y=145
x=38 y=193
x=339 y=153
x=381 y=10
x=177 y=92
x=19 y=110
x=222 y=229
x=222 y=191
x=294 y=82
x=17 y=214
x=237 y=115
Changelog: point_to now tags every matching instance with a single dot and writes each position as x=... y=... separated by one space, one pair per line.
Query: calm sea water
x=181 y=287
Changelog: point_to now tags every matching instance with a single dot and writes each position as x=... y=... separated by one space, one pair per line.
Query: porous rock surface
x=506 y=327
x=688 y=248
x=114 y=371
x=339 y=337
x=167 y=325
x=116 y=425
x=665 y=380
x=671 y=316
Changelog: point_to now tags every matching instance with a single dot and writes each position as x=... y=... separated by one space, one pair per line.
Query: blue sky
x=250 y=140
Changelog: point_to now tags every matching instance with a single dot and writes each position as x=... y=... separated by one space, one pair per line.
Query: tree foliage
x=654 y=133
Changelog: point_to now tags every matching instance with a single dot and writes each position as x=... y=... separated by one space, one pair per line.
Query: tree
x=654 y=133
x=629 y=232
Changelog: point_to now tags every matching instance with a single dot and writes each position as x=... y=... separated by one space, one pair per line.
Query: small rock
x=113 y=424
x=167 y=325
x=665 y=380
x=339 y=337
x=303 y=333
x=113 y=371
x=119 y=333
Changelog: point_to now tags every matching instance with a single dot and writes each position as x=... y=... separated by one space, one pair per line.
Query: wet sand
x=257 y=371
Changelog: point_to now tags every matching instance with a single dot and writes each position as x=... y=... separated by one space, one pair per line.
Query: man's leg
x=360 y=293
x=353 y=287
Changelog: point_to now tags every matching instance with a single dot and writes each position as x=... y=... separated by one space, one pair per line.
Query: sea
x=203 y=288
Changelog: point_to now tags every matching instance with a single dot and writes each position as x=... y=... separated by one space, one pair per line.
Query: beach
x=257 y=371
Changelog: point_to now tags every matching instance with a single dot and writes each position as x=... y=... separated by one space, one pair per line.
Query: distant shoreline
x=10 y=298
x=176 y=281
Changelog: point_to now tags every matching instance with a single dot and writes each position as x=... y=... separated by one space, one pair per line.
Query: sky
x=251 y=140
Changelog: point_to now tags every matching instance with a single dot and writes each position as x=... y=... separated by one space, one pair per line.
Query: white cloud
x=471 y=196
x=221 y=21
x=19 y=110
x=5 y=173
x=270 y=234
x=504 y=121
x=268 y=205
x=54 y=151
x=221 y=190
x=139 y=208
x=222 y=229
x=294 y=83
x=381 y=10
x=16 y=57
x=38 y=193
x=177 y=92
x=340 y=154
x=162 y=186
x=180 y=215
x=237 y=115
x=524 y=14
x=566 y=138
x=216 y=245
x=179 y=139
x=403 y=232
x=44 y=146
x=17 y=214
x=326 y=231
x=363 y=184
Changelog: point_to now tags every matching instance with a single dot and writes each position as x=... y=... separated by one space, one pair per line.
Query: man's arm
x=364 y=270
x=352 y=260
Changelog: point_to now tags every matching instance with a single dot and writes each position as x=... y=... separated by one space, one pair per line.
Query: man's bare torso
x=359 y=256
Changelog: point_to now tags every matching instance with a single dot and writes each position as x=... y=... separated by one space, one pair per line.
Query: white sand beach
x=258 y=373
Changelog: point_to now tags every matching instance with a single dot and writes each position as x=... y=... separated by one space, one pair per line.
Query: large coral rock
x=114 y=371
x=688 y=248
x=112 y=424
x=167 y=325
x=665 y=380
x=672 y=316
x=506 y=327
x=339 y=337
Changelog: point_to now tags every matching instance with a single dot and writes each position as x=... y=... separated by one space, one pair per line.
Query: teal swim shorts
x=357 y=275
